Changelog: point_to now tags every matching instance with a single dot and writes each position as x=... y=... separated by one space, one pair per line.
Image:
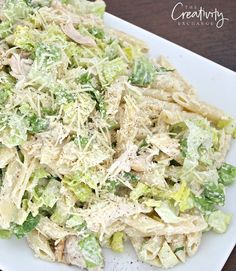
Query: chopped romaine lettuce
x=215 y=193
x=219 y=221
x=81 y=190
x=47 y=55
x=37 y=124
x=140 y=190
x=30 y=223
x=197 y=136
x=85 y=78
x=7 y=84
x=5 y=234
x=86 y=7
x=25 y=38
x=73 y=52
x=46 y=211
x=110 y=70
x=143 y=73
x=62 y=94
x=91 y=177
x=5 y=29
x=178 y=129
x=205 y=205
x=97 y=96
x=112 y=50
x=183 y=147
x=60 y=214
x=183 y=197
x=4 y=95
x=112 y=186
x=40 y=173
x=97 y=7
x=15 y=132
x=97 y=32
x=47 y=59
x=51 y=193
x=25 y=109
x=229 y=126
x=131 y=177
x=15 y=10
x=76 y=222
x=227 y=174
x=91 y=251
x=117 y=240
x=166 y=213
x=54 y=34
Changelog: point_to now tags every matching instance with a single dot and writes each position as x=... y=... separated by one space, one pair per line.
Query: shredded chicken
x=74 y=34
x=20 y=66
x=169 y=146
x=123 y=163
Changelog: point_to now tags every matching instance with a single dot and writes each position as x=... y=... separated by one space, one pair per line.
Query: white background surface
x=214 y=84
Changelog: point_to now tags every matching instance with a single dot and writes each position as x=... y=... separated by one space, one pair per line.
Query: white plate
x=214 y=84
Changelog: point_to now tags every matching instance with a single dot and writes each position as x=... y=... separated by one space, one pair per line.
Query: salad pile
x=101 y=144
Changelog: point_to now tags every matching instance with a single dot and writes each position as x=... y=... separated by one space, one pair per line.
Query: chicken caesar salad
x=101 y=144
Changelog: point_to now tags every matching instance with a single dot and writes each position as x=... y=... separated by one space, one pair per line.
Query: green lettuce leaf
x=25 y=38
x=112 y=50
x=5 y=29
x=215 y=193
x=16 y=9
x=37 y=124
x=229 y=126
x=47 y=55
x=197 y=136
x=30 y=223
x=219 y=221
x=117 y=242
x=227 y=174
x=86 y=7
x=5 y=234
x=51 y=193
x=183 y=197
x=143 y=73
x=205 y=205
x=166 y=213
x=110 y=70
x=81 y=190
x=139 y=191
x=15 y=132
x=62 y=94
x=97 y=32
x=76 y=222
x=47 y=59
x=91 y=251
x=7 y=84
